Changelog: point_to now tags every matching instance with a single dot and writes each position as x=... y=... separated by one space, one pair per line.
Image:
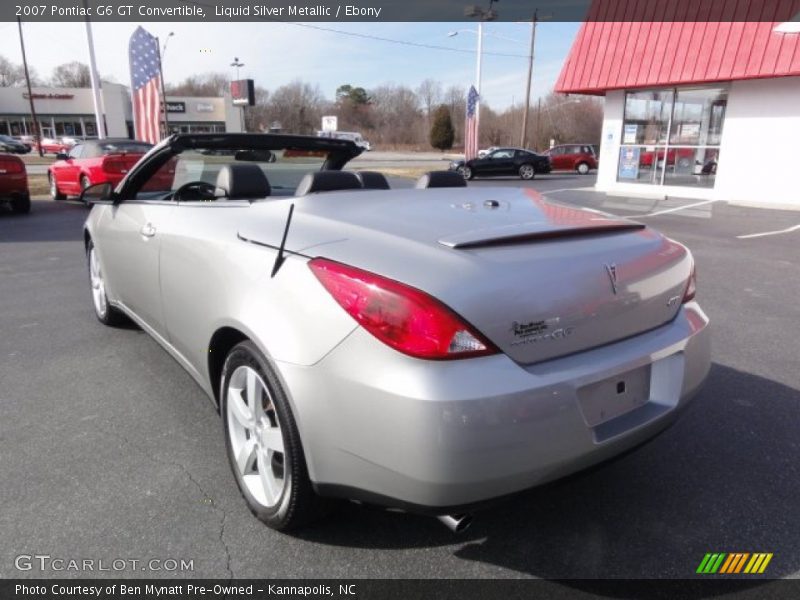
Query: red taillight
x=400 y=316
x=691 y=285
x=11 y=166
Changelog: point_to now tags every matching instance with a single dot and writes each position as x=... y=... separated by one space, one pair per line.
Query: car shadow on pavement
x=724 y=478
x=48 y=221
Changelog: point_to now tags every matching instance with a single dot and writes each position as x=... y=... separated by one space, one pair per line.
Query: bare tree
x=429 y=93
x=205 y=84
x=298 y=107
x=72 y=74
x=397 y=115
x=12 y=75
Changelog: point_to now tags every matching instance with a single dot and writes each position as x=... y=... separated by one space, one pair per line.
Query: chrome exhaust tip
x=456 y=523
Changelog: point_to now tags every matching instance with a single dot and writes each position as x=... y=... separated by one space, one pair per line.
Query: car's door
x=66 y=171
x=500 y=162
x=557 y=157
x=129 y=240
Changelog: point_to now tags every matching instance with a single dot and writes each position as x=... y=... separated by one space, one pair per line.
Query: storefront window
x=672 y=137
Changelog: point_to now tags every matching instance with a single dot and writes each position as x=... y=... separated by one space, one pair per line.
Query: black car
x=504 y=161
x=9 y=144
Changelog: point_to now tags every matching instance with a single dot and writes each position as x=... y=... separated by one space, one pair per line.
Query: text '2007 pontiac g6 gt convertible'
x=426 y=349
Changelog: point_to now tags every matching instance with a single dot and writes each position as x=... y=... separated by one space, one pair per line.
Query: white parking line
x=577 y=189
x=766 y=233
x=672 y=210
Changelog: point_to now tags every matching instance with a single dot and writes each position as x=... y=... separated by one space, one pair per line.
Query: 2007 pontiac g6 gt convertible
x=427 y=349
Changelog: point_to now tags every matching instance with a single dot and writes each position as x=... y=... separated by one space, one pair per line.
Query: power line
x=376 y=38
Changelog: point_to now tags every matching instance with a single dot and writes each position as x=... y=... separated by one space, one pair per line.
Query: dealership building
x=707 y=110
x=70 y=112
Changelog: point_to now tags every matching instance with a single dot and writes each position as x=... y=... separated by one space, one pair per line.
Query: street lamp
x=238 y=65
x=455 y=32
x=482 y=15
x=163 y=87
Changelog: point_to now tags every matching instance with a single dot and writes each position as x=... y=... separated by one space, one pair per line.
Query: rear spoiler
x=524 y=233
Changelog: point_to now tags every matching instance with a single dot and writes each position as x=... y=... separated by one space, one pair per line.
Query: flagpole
x=98 y=111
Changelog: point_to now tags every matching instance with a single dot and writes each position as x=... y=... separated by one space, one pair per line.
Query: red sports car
x=92 y=162
x=14 y=184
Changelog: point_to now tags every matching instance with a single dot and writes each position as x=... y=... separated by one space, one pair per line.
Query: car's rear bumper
x=432 y=435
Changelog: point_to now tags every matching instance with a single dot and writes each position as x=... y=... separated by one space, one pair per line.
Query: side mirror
x=99 y=193
x=62 y=156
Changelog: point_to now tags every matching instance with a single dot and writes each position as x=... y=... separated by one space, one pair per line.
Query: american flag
x=144 y=59
x=471 y=128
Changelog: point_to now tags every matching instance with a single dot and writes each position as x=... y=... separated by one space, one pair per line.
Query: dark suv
x=573 y=157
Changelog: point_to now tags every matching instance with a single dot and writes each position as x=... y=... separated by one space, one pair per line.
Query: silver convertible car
x=425 y=349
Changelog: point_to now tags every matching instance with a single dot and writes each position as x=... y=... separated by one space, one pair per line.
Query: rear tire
x=582 y=168
x=105 y=313
x=21 y=205
x=263 y=444
x=527 y=172
x=54 y=193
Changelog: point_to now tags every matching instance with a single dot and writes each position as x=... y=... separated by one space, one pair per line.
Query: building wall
x=758 y=148
x=759 y=157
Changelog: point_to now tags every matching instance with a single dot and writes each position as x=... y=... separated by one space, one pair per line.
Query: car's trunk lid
x=538 y=279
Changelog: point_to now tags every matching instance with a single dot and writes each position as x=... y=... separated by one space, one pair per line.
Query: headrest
x=327 y=181
x=243 y=180
x=372 y=180
x=441 y=179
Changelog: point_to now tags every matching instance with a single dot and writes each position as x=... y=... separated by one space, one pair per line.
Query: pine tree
x=442 y=133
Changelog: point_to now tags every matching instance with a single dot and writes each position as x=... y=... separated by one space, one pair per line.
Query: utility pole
x=526 y=110
x=163 y=51
x=95 y=78
x=539 y=120
x=37 y=135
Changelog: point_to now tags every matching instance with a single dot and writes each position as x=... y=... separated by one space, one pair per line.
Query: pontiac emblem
x=611 y=269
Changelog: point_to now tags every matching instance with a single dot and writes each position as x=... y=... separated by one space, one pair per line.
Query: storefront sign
x=206 y=107
x=629 y=163
x=48 y=96
x=176 y=107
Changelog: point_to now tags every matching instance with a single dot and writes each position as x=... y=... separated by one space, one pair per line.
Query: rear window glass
x=126 y=147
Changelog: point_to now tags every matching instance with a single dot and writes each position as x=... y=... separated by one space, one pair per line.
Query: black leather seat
x=328 y=181
x=242 y=181
x=441 y=179
x=372 y=180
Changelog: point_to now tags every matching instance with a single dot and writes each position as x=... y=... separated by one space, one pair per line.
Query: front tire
x=54 y=193
x=263 y=443
x=468 y=173
x=527 y=172
x=105 y=313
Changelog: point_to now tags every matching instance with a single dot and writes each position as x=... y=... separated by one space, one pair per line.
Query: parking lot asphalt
x=109 y=450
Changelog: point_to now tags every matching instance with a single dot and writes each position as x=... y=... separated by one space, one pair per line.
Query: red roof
x=682 y=41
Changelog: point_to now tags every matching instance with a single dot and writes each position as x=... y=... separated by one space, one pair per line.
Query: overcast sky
x=277 y=53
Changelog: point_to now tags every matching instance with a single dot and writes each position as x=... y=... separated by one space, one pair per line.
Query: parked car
x=573 y=157
x=9 y=144
x=425 y=349
x=92 y=162
x=14 y=184
x=353 y=136
x=504 y=161
x=683 y=157
x=51 y=146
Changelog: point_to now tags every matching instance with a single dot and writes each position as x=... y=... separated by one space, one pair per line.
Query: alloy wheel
x=256 y=437
x=98 y=285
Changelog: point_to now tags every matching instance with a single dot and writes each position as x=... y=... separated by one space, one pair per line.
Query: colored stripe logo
x=734 y=563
